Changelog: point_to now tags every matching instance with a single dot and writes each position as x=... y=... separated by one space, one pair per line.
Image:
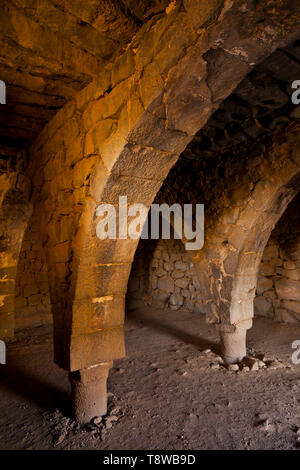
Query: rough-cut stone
x=270 y=252
x=181 y=266
x=267 y=270
x=276 y=262
x=155 y=263
x=196 y=283
x=176 y=300
x=289 y=264
x=168 y=266
x=159 y=272
x=189 y=305
x=166 y=284
x=291 y=305
x=287 y=289
x=270 y=294
x=252 y=363
x=183 y=287
x=264 y=284
x=233 y=367
x=182 y=283
x=177 y=274
x=153 y=281
x=161 y=296
x=262 y=306
x=292 y=274
x=286 y=316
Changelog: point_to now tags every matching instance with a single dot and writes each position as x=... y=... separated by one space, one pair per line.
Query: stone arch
x=229 y=263
x=15 y=212
x=256 y=241
x=121 y=136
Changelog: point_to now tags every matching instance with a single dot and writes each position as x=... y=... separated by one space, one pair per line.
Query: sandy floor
x=163 y=395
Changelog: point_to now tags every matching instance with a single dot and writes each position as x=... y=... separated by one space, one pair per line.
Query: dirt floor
x=168 y=393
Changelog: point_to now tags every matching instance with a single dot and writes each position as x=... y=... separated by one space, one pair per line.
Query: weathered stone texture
x=144 y=107
x=168 y=280
x=278 y=288
x=32 y=302
x=15 y=211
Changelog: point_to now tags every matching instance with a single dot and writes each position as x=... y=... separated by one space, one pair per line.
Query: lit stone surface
x=101 y=105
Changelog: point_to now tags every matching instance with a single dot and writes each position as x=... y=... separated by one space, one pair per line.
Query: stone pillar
x=89 y=393
x=233 y=341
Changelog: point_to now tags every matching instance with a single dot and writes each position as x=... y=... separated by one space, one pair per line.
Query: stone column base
x=233 y=342
x=89 y=393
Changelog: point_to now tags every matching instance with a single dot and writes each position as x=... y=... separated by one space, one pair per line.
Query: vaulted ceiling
x=260 y=104
x=50 y=49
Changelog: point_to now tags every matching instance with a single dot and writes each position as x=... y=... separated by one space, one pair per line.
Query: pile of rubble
x=62 y=427
x=251 y=362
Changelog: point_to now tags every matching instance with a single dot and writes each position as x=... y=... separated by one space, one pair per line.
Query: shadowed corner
x=29 y=386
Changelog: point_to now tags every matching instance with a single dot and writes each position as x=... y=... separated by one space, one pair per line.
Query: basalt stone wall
x=164 y=276
x=32 y=302
x=278 y=287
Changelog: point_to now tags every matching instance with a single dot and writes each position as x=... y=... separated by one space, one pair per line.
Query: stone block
x=161 y=296
x=289 y=264
x=176 y=300
x=166 y=284
x=275 y=262
x=168 y=266
x=270 y=294
x=264 y=284
x=179 y=265
x=153 y=282
x=291 y=305
x=177 y=274
x=262 y=306
x=196 y=283
x=293 y=274
x=286 y=316
x=97 y=313
x=270 y=252
x=160 y=272
x=62 y=252
x=35 y=299
x=189 y=305
x=288 y=289
x=182 y=283
x=102 y=280
x=267 y=270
